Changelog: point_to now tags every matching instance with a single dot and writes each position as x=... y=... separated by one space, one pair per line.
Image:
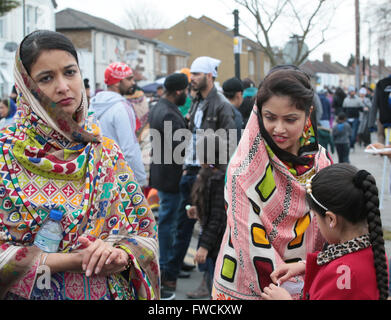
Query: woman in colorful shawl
x=55 y=158
x=268 y=219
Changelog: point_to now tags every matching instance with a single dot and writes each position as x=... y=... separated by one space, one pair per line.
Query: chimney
x=327 y=58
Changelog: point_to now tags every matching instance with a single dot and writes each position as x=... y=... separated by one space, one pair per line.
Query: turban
x=117 y=71
x=205 y=65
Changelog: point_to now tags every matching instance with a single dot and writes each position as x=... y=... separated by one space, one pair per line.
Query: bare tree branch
x=145 y=17
x=8 y=5
x=266 y=20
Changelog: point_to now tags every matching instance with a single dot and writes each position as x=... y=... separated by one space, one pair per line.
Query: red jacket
x=350 y=277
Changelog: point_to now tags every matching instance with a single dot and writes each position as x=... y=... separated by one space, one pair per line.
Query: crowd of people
x=345 y=119
x=131 y=178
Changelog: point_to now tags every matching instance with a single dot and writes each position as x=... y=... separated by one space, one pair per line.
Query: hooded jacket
x=118 y=122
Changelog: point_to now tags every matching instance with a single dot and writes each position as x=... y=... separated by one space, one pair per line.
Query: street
x=358 y=158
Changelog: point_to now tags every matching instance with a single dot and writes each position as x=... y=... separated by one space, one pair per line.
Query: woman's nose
x=62 y=85
x=279 y=127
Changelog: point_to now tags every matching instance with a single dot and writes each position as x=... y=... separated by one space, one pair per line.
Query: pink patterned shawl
x=268 y=219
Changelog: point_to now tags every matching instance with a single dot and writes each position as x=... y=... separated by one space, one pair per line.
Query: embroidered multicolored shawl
x=48 y=160
x=268 y=219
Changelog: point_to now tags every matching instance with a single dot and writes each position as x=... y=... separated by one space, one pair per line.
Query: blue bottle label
x=46 y=244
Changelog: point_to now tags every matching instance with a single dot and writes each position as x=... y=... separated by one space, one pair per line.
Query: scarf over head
x=268 y=219
x=51 y=160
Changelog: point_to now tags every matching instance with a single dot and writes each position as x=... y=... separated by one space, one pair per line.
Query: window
x=2 y=28
x=31 y=18
x=251 y=67
x=119 y=48
x=163 y=64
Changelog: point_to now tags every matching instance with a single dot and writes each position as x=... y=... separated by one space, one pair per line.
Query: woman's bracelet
x=45 y=256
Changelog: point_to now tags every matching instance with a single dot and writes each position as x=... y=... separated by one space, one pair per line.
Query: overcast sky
x=340 y=35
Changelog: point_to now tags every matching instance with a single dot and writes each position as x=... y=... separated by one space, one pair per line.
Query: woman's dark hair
x=11 y=107
x=287 y=82
x=40 y=40
x=6 y=102
x=86 y=83
x=206 y=155
x=352 y=194
x=212 y=149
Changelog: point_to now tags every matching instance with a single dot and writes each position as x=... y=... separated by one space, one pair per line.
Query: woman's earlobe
x=332 y=219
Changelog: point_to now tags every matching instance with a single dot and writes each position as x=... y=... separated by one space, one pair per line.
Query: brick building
x=206 y=37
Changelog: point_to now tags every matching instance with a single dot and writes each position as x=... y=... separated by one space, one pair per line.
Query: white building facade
x=38 y=14
x=108 y=48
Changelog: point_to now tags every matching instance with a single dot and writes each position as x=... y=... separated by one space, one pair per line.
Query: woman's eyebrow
x=285 y=115
x=70 y=66
x=45 y=72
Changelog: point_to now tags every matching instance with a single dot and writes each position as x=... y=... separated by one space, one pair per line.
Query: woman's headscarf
x=49 y=159
x=33 y=102
x=308 y=142
x=268 y=219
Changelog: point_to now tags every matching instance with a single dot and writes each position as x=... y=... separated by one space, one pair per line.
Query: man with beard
x=117 y=118
x=166 y=172
x=209 y=110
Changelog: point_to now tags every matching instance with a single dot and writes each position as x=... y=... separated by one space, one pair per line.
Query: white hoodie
x=118 y=122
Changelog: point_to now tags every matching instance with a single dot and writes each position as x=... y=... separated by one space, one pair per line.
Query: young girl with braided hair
x=353 y=266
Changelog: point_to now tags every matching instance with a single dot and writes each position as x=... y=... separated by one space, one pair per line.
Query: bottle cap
x=55 y=215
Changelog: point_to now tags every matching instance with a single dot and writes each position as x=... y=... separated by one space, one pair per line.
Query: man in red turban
x=117 y=118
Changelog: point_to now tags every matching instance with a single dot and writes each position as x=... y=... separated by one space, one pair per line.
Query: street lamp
x=237 y=43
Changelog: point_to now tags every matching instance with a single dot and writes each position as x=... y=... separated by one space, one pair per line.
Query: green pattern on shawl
x=46 y=168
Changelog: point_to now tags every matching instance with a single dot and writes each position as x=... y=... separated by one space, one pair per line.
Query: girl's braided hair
x=352 y=194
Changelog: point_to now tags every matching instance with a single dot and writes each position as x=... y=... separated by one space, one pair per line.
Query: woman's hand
x=286 y=271
x=201 y=255
x=273 y=292
x=100 y=257
x=378 y=145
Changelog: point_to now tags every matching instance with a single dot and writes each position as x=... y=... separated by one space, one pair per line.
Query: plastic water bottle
x=49 y=236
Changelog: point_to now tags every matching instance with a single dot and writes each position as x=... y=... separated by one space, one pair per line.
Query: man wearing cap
x=209 y=110
x=166 y=172
x=233 y=91
x=117 y=118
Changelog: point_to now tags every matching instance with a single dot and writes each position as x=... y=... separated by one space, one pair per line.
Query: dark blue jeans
x=343 y=150
x=354 y=124
x=184 y=230
x=168 y=208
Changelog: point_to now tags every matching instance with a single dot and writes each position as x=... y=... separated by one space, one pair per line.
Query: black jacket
x=218 y=113
x=215 y=220
x=165 y=174
x=380 y=102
